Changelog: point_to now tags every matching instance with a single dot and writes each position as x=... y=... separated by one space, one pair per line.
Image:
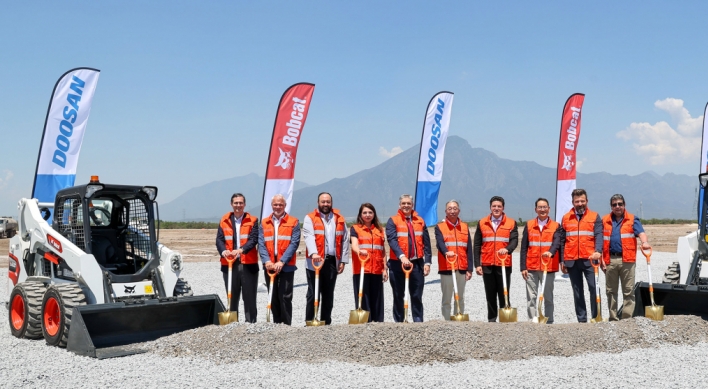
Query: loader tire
x=57 y=307
x=25 y=310
x=672 y=274
x=182 y=288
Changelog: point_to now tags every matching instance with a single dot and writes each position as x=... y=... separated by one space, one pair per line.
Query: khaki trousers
x=619 y=272
x=448 y=293
x=533 y=283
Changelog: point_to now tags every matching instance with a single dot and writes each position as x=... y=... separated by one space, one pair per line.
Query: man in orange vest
x=278 y=239
x=619 y=253
x=326 y=239
x=581 y=242
x=237 y=236
x=409 y=241
x=496 y=235
x=540 y=234
x=454 y=241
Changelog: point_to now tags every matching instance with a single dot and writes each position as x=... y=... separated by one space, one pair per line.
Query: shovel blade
x=654 y=312
x=228 y=317
x=460 y=317
x=507 y=315
x=314 y=323
x=358 y=316
x=540 y=320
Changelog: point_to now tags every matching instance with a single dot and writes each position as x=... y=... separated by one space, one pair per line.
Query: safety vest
x=539 y=242
x=418 y=223
x=455 y=238
x=247 y=224
x=579 y=235
x=629 y=241
x=284 y=234
x=319 y=231
x=492 y=240
x=372 y=240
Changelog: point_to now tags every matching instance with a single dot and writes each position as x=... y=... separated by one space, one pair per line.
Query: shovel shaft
x=361 y=284
x=406 y=294
x=317 y=292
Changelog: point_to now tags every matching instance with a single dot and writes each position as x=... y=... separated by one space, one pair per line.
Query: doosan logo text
x=66 y=126
x=435 y=139
x=572 y=131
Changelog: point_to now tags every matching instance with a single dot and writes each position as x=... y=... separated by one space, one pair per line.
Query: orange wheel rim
x=17 y=312
x=52 y=316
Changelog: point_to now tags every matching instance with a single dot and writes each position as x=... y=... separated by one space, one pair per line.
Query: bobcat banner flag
x=64 y=127
x=289 y=123
x=704 y=163
x=432 y=153
x=569 y=137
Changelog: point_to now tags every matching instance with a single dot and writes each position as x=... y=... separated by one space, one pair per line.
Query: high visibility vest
x=284 y=234
x=418 y=223
x=579 y=235
x=492 y=240
x=372 y=240
x=247 y=224
x=629 y=241
x=319 y=231
x=539 y=242
x=455 y=238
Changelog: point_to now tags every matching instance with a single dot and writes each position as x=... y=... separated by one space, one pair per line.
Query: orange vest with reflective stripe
x=493 y=241
x=372 y=240
x=539 y=242
x=629 y=241
x=319 y=231
x=247 y=224
x=418 y=223
x=579 y=235
x=456 y=238
x=284 y=233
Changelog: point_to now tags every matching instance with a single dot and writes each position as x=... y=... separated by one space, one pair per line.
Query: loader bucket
x=105 y=330
x=677 y=299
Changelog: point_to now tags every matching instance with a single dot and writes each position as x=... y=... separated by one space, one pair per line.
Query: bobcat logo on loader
x=567 y=163
x=129 y=289
x=285 y=161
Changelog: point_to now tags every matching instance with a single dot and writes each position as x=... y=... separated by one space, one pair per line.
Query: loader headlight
x=176 y=263
x=151 y=192
x=703 y=179
x=93 y=188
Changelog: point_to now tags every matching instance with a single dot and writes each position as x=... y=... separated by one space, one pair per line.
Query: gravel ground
x=658 y=354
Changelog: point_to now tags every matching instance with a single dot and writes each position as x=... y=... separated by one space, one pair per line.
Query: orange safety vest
x=372 y=240
x=629 y=241
x=456 y=238
x=285 y=232
x=540 y=241
x=493 y=241
x=579 y=235
x=247 y=224
x=319 y=231
x=418 y=223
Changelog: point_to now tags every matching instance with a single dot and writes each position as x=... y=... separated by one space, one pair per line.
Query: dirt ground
x=199 y=245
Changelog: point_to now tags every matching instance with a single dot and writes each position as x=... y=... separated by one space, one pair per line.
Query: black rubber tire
x=67 y=296
x=672 y=274
x=31 y=292
x=182 y=288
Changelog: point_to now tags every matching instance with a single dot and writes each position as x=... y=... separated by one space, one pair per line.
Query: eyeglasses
x=453 y=209
x=541 y=208
x=617 y=205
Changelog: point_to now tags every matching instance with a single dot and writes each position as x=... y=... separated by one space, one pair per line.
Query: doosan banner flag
x=289 y=123
x=704 y=162
x=64 y=127
x=432 y=153
x=569 y=137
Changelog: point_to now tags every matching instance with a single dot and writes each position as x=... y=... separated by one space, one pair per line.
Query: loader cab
x=114 y=223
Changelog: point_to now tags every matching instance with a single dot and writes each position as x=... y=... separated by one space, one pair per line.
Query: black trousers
x=328 y=280
x=244 y=278
x=575 y=273
x=282 y=303
x=415 y=288
x=494 y=289
x=373 y=299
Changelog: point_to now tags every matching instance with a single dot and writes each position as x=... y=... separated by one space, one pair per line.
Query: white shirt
x=495 y=223
x=237 y=232
x=330 y=233
x=542 y=223
x=276 y=225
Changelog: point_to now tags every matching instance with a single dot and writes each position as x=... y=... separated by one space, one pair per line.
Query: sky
x=188 y=90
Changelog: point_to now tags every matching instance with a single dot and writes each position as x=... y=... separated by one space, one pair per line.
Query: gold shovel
x=271 y=274
x=360 y=316
x=228 y=316
x=460 y=316
x=314 y=322
x=407 y=297
x=598 y=318
x=654 y=312
x=540 y=319
x=506 y=314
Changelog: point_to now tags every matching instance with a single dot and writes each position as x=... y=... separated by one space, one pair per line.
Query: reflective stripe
x=377 y=247
x=585 y=233
x=284 y=237
x=495 y=239
x=317 y=232
x=540 y=244
x=419 y=233
x=401 y=234
x=338 y=233
x=605 y=238
x=268 y=238
x=458 y=244
x=365 y=246
x=625 y=236
x=228 y=238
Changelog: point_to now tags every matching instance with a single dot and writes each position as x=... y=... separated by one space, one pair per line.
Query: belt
x=614 y=254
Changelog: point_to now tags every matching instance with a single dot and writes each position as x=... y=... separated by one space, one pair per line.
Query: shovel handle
x=596 y=266
x=452 y=261
x=230 y=260
x=646 y=253
x=408 y=271
x=314 y=264
x=272 y=274
x=502 y=258
x=363 y=258
x=545 y=261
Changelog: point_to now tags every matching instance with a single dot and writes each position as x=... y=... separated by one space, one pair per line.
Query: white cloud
x=579 y=163
x=388 y=154
x=5 y=177
x=660 y=143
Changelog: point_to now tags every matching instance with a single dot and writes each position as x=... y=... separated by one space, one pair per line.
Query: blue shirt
x=615 y=240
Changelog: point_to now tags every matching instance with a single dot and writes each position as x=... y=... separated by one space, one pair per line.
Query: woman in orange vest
x=368 y=238
x=495 y=234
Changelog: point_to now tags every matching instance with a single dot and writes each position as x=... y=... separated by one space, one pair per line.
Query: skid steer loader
x=684 y=288
x=97 y=279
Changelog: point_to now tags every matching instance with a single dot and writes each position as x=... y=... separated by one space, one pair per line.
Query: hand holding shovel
x=452 y=260
x=506 y=314
x=228 y=316
x=360 y=316
x=654 y=312
x=314 y=322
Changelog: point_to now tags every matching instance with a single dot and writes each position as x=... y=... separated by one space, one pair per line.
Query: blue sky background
x=188 y=90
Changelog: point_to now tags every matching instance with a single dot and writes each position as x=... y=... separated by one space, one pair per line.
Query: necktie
x=411 y=233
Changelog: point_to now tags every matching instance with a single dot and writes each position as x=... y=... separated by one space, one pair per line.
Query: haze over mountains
x=471 y=176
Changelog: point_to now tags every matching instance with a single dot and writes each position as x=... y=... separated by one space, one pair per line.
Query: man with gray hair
x=620 y=232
